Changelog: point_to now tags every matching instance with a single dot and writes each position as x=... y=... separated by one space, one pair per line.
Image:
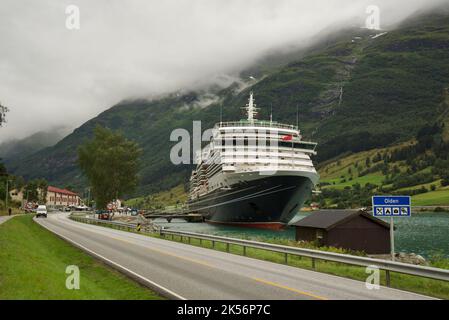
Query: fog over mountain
x=17 y=148
x=53 y=76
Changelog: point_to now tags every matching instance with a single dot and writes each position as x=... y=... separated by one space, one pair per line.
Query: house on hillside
x=347 y=229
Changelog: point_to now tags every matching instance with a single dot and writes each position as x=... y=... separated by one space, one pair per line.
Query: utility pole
x=7 y=194
x=88 y=195
x=25 y=201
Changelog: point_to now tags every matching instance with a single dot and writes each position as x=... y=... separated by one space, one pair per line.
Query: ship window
x=296 y=145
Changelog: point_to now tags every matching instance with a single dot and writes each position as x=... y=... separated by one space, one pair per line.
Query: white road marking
x=119 y=266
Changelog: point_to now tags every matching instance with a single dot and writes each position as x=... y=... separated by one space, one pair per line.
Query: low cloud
x=52 y=76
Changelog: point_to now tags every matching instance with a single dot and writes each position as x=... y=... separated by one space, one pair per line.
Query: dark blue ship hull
x=270 y=202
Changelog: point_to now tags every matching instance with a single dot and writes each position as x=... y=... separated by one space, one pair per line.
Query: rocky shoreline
x=410 y=258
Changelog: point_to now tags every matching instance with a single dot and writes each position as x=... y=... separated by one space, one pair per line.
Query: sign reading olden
x=392 y=206
x=387 y=206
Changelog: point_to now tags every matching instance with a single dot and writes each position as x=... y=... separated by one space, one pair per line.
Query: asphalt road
x=188 y=272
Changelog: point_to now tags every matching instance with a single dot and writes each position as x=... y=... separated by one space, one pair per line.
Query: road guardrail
x=120 y=225
x=387 y=266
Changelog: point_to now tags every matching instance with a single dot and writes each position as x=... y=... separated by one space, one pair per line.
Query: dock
x=189 y=217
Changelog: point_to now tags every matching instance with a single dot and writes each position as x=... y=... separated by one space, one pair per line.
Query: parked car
x=103 y=214
x=41 y=211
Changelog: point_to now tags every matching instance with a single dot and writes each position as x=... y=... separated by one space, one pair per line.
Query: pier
x=189 y=217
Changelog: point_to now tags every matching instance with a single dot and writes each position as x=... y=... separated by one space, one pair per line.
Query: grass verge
x=33 y=262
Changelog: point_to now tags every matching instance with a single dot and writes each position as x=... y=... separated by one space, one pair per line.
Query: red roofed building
x=62 y=197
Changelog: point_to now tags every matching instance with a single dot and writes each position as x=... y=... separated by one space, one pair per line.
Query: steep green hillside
x=419 y=168
x=14 y=149
x=176 y=196
x=358 y=93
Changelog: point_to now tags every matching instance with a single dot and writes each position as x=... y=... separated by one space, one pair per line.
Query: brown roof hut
x=348 y=229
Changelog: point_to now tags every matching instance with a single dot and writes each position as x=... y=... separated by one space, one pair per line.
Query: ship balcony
x=228 y=168
x=258 y=168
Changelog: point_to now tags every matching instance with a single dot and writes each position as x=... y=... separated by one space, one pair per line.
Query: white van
x=41 y=212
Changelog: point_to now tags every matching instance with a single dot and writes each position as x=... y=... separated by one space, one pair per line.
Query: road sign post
x=392 y=237
x=391 y=206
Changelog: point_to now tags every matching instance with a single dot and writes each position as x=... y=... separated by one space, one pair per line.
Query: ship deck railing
x=256 y=123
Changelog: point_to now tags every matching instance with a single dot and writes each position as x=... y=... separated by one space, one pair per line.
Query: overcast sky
x=53 y=76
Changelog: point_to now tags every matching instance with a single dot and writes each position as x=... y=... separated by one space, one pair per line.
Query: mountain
x=12 y=150
x=360 y=91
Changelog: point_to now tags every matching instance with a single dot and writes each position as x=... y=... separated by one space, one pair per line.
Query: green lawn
x=374 y=178
x=433 y=198
x=33 y=263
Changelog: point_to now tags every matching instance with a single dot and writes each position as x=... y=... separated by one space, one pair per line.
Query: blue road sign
x=392 y=206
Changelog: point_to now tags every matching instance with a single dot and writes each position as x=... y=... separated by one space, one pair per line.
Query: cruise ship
x=253 y=173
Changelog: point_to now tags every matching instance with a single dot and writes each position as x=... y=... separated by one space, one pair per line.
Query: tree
x=69 y=187
x=3 y=177
x=377 y=157
x=110 y=162
x=445 y=180
x=42 y=185
x=368 y=162
x=31 y=191
x=36 y=191
x=3 y=111
x=2 y=169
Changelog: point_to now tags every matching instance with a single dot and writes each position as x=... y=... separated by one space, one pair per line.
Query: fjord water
x=423 y=233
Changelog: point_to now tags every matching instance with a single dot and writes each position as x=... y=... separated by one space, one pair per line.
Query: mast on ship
x=250 y=108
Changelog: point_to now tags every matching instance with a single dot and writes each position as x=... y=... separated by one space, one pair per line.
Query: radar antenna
x=250 y=108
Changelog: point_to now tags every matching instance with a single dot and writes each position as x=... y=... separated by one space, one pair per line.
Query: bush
x=439 y=260
x=445 y=182
x=403 y=181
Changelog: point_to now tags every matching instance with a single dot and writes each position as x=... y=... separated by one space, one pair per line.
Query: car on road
x=41 y=211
